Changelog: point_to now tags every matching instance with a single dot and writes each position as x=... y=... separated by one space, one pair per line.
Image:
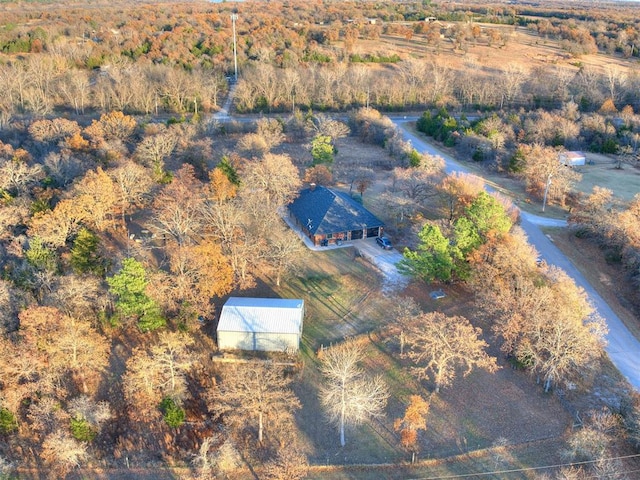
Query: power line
x=529 y=469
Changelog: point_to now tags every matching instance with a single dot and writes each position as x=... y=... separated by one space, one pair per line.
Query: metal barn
x=265 y=324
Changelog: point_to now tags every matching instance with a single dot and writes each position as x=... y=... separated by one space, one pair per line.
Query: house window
x=329 y=235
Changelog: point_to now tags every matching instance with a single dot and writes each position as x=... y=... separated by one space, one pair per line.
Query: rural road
x=622 y=347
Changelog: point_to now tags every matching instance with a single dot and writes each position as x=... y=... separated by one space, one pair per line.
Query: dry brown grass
x=522 y=47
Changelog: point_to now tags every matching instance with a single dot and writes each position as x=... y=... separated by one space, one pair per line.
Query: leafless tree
x=511 y=81
x=75 y=86
x=271 y=130
x=63 y=452
x=10 y=299
x=75 y=296
x=348 y=395
x=325 y=125
x=161 y=371
x=64 y=167
x=256 y=392
x=132 y=184
x=17 y=176
x=87 y=409
x=543 y=172
x=284 y=252
x=67 y=344
x=276 y=177
x=96 y=195
x=153 y=150
x=440 y=345
x=289 y=464
x=178 y=208
x=594 y=439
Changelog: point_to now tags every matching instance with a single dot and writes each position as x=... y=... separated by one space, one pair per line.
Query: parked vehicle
x=384 y=242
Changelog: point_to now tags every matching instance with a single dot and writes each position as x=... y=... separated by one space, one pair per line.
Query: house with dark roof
x=329 y=216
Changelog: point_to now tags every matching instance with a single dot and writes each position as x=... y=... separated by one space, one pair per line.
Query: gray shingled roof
x=324 y=211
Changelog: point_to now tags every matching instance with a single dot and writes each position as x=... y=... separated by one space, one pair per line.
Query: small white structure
x=265 y=324
x=572 y=159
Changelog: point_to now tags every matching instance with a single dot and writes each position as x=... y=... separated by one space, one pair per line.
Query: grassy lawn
x=342 y=295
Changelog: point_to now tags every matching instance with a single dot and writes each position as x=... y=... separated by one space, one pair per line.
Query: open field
x=522 y=46
x=343 y=300
x=624 y=182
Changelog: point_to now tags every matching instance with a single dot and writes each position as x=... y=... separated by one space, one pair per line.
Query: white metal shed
x=572 y=159
x=265 y=324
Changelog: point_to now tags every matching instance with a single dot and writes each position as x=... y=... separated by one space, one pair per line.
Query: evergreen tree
x=129 y=287
x=40 y=256
x=432 y=260
x=322 y=150
x=85 y=257
x=229 y=170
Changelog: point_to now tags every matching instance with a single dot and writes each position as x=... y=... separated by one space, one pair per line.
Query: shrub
x=82 y=430
x=8 y=421
x=173 y=414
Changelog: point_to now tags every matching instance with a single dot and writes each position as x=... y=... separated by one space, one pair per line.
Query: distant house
x=328 y=216
x=264 y=324
x=572 y=159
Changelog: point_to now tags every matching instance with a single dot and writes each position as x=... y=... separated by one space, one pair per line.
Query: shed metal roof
x=324 y=211
x=262 y=315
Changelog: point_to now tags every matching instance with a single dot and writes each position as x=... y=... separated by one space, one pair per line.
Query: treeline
x=432 y=82
x=143 y=60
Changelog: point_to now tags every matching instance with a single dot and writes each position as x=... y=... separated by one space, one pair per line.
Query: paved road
x=623 y=348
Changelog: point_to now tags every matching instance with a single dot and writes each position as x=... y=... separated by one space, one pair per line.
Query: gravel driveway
x=385 y=261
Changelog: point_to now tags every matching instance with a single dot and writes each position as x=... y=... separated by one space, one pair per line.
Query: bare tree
x=10 y=300
x=63 y=452
x=256 y=392
x=276 y=176
x=348 y=395
x=545 y=175
x=68 y=345
x=96 y=195
x=178 y=207
x=17 y=176
x=440 y=345
x=161 y=371
x=153 y=150
x=272 y=130
x=325 y=125
x=289 y=464
x=95 y=414
x=284 y=252
x=594 y=440
x=511 y=81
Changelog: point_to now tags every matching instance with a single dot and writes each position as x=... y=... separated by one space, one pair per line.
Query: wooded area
x=129 y=212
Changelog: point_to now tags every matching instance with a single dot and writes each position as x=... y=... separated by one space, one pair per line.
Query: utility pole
x=546 y=191
x=234 y=17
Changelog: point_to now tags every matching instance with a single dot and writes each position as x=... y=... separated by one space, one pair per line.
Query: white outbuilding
x=572 y=159
x=265 y=324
